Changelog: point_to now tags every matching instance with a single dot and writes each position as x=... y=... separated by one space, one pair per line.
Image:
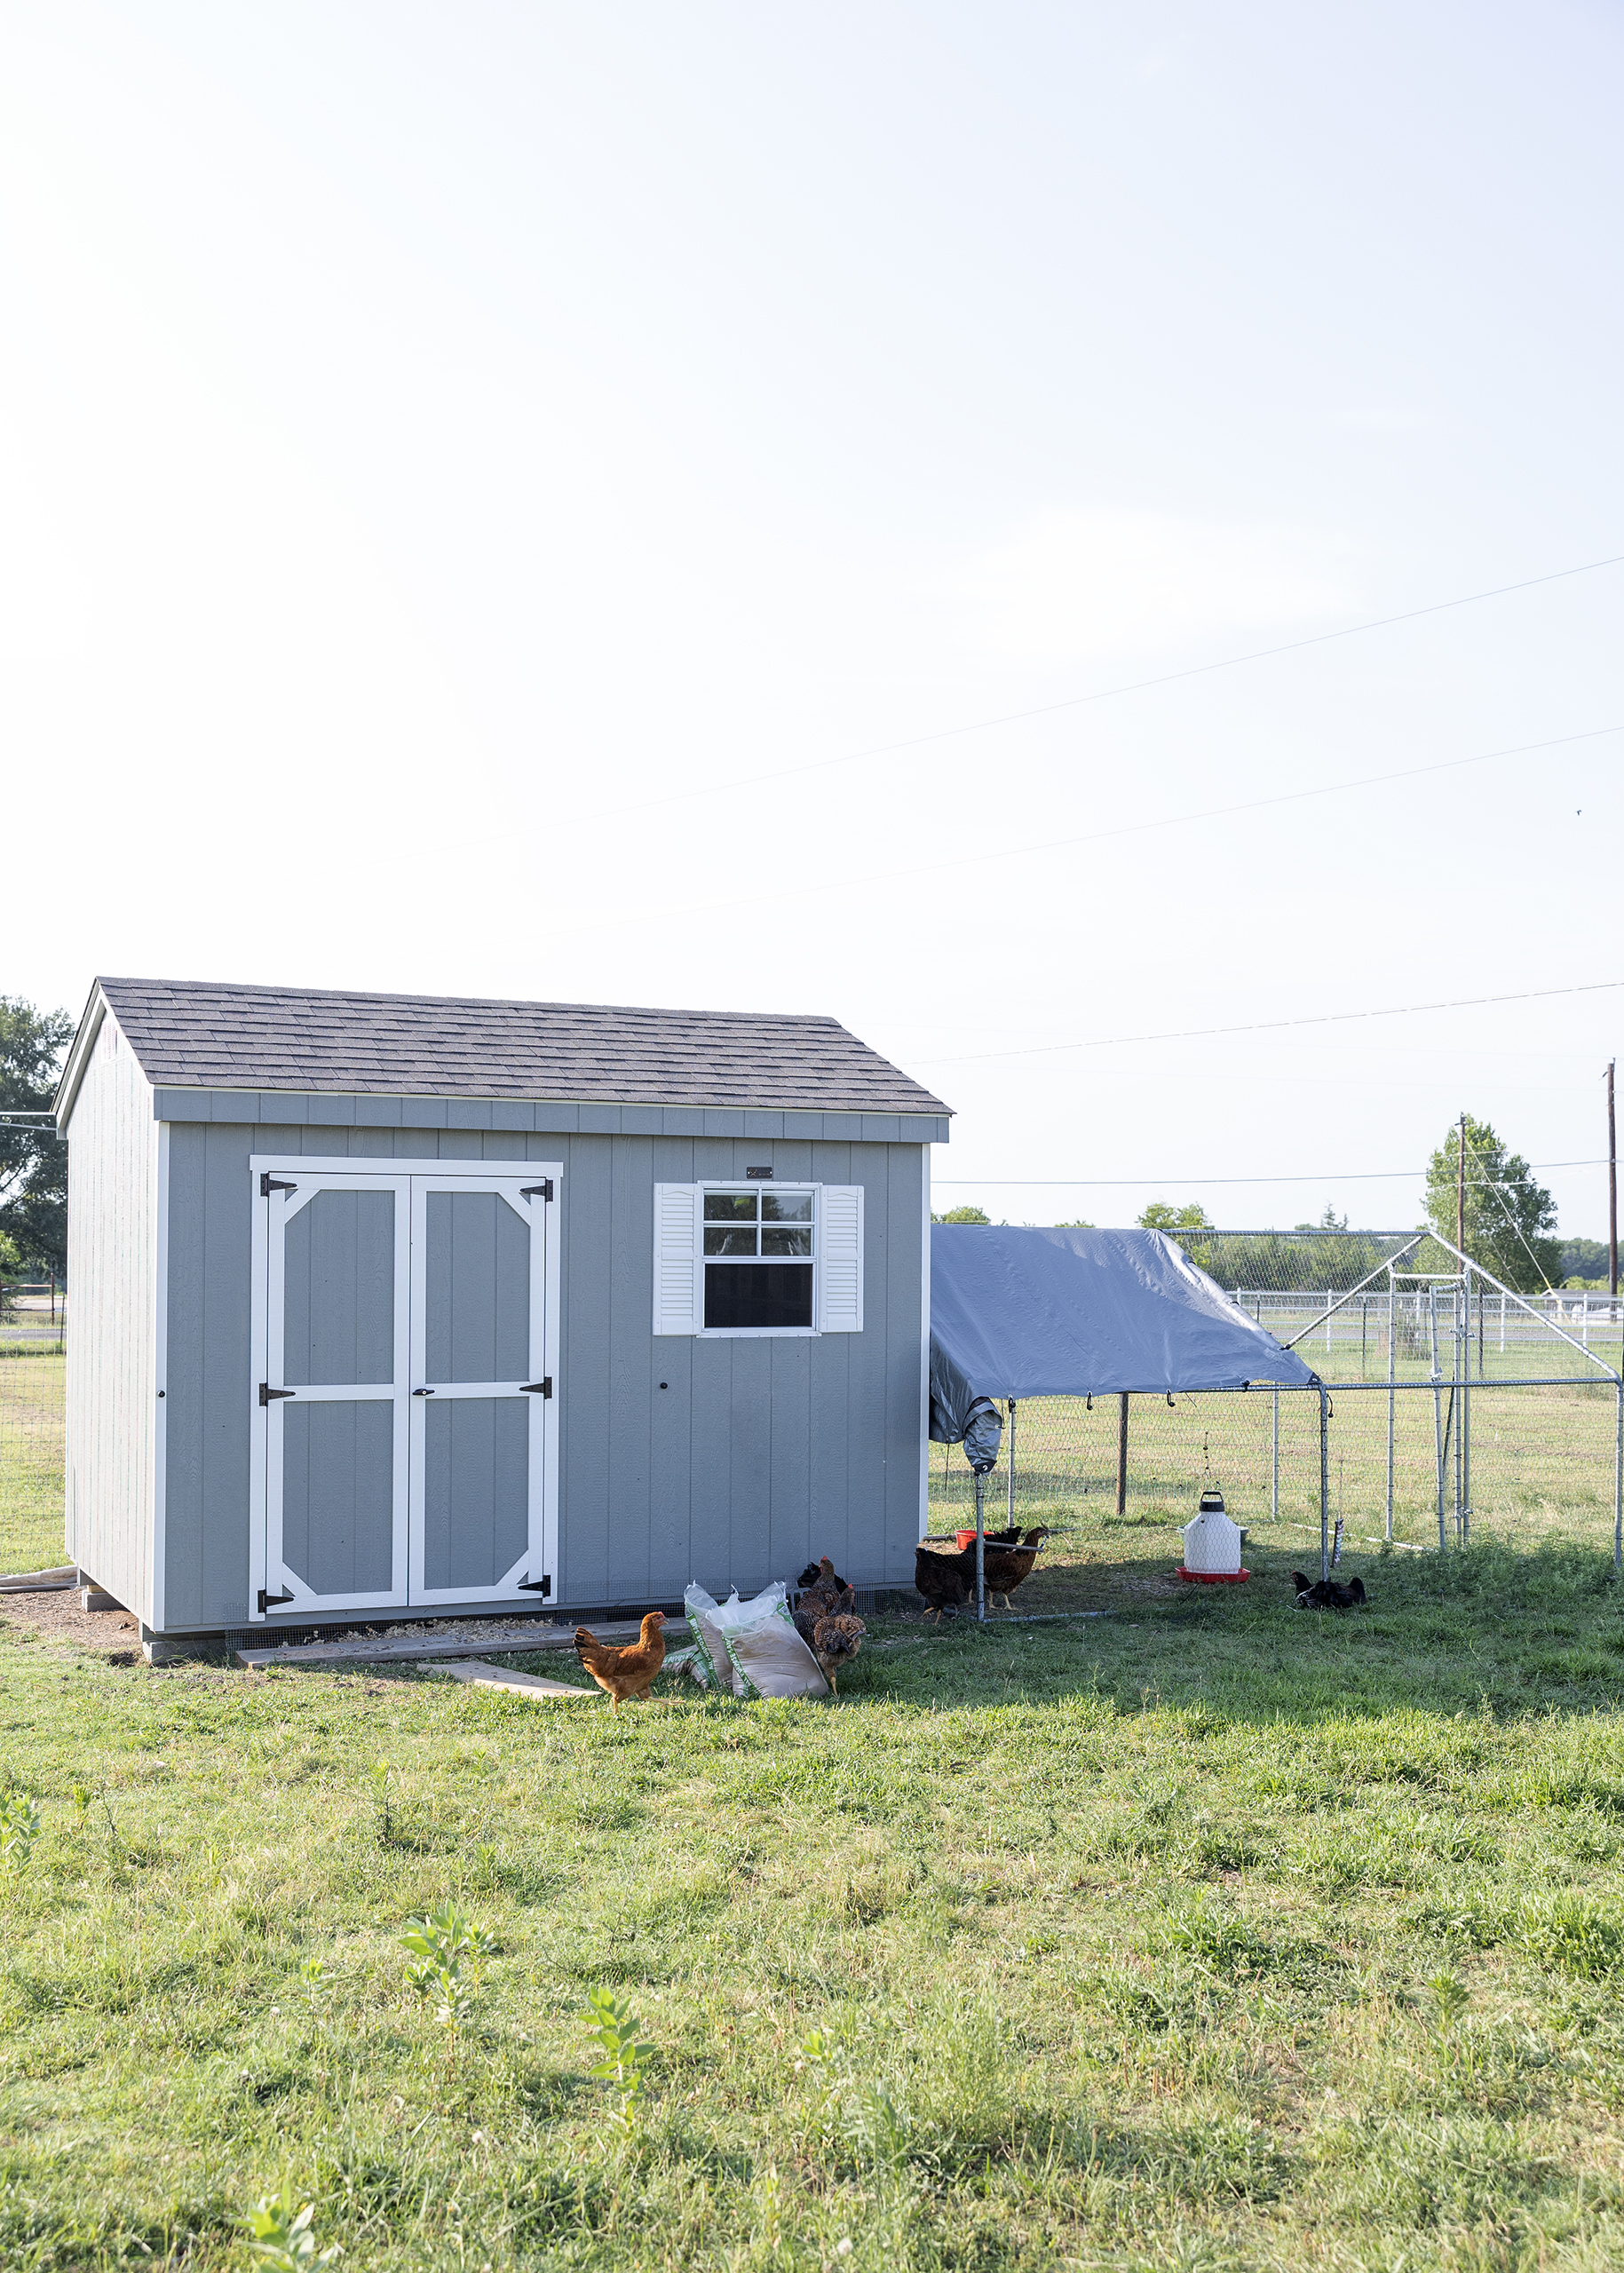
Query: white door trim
x=369 y=1172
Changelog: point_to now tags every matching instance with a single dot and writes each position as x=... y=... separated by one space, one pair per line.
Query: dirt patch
x=55 y=1615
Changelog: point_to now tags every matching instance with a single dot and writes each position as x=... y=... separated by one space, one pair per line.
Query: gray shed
x=387 y=1303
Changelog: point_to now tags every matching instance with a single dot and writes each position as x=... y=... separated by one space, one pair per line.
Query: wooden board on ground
x=479 y=1675
x=372 y=1649
x=39 y=1582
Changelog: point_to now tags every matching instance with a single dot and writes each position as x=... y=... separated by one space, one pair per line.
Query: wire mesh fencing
x=32 y=1429
x=1458 y=1462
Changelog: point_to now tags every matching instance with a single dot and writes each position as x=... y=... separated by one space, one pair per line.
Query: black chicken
x=1325 y=1594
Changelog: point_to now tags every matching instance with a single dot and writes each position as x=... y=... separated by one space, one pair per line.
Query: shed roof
x=195 y=1034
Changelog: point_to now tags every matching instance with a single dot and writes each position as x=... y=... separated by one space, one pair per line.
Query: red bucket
x=965 y=1539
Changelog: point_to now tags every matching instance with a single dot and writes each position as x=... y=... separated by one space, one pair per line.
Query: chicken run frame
x=1444 y=1376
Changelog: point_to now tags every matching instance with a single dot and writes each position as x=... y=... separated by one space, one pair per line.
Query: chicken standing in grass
x=946 y=1581
x=1011 y=1565
x=826 y=1619
x=630 y=1671
x=836 y=1638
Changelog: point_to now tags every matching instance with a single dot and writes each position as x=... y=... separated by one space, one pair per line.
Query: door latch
x=543 y=1586
x=267 y=1394
x=268 y=1184
x=543 y=1388
x=423 y=1392
x=530 y=1190
x=272 y=1602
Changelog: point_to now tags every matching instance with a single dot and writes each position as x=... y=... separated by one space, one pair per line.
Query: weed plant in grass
x=1212 y=1934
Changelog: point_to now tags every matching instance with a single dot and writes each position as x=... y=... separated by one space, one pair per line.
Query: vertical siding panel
x=794 y=1447
x=750 y=1464
x=583 y=1530
x=867 y=1377
x=828 y=1499
x=183 y=1526
x=671 y=1562
x=109 y=1481
x=710 y=1440
x=227 y=1217
x=905 y=1421
x=631 y=1297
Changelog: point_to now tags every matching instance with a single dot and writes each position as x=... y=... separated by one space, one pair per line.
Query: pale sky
x=457 y=456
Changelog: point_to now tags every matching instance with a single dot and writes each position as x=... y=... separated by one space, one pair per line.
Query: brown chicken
x=836 y=1640
x=1008 y=1566
x=826 y=1619
x=819 y=1590
x=946 y=1581
x=821 y=1574
x=628 y=1672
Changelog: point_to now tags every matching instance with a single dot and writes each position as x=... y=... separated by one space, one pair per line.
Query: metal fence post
x=1393 y=1340
x=1122 y=1456
x=980 y=1547
x=1274 y=1463
x=1325 y=1483
x=1011 y=1463
x=1465 y=1403
x=1437 y=1407
x=1618 y=1484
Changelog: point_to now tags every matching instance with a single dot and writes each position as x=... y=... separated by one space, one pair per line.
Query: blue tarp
x=1074 y=1314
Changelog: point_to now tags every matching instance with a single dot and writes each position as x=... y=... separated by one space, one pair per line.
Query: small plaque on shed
x=759 y=1174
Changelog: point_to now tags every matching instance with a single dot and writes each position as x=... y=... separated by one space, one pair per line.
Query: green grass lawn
x=1209 y=1934
x=31 y=1458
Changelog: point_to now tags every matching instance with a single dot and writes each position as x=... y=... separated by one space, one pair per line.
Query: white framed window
x=759 y=1258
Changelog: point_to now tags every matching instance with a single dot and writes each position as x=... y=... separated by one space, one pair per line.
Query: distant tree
x=962 y=1215
x=1330 y=1221
x=32 y=1158
x=1510 y=1218
x=1584 y=1263
x=1077 y=1224
x=1162 y=1216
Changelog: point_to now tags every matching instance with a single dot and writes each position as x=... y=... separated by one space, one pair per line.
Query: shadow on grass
x=1519 y=1634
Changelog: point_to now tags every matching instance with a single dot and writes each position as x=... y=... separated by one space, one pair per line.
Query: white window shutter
x=678 y=1294
x=840 y=1232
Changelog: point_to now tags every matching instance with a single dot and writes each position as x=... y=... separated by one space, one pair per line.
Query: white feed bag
x=752 y=1647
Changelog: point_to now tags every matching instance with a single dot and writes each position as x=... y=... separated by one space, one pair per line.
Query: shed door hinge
x=543 y=1388
x=543 y=1586
x=267 y=1395
x=268 y=1184
x=530 y=1190
x=272 y=1602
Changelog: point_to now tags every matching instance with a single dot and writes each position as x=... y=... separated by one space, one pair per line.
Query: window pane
x=788 y=1242
x=730 y=1242
x=787 y=1206
x=758 y=1293
x=730 y=1207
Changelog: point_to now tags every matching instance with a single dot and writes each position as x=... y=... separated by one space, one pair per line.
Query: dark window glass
x=785 y=1206
x=758 y=1295
x=796 y=1242
x=730 y=1207
x=741 y=1242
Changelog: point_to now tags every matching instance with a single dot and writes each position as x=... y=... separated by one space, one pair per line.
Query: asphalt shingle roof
x=189 y=1033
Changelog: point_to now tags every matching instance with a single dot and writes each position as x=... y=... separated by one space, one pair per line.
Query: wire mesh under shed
x=1453 y=1409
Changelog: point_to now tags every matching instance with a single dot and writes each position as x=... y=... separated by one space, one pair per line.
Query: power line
x=1133 y=1183
x=1278 y=1026
x=1078 y=701
x=778 y=898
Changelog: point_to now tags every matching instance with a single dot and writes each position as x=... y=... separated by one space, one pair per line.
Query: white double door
x=405 y=1445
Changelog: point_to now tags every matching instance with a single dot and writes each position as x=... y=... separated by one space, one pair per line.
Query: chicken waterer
x=1212 y=1546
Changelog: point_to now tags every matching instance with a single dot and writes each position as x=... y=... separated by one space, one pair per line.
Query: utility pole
x=1459 y=1189
x=1613 y=1194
